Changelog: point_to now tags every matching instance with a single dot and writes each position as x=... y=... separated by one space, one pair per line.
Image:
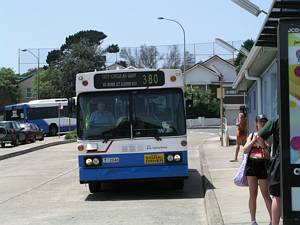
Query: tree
x=49 y=80
x=240 y=59
x=172 y=59
x=54 y=58
x=92 y=37
x=204 y=104
x=81 y=52
x=9 y=92
x=113 y=48
x=81 y=57
x=148 y=56
x=128 y=57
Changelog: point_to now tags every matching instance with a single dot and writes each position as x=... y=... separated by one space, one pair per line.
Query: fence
x=196 y=52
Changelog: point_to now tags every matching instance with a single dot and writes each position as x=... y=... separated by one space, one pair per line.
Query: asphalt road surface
x=42 y=188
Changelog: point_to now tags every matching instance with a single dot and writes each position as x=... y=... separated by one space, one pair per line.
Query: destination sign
x=129 y=79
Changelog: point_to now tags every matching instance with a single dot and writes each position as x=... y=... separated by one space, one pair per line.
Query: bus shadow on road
x=143 y=190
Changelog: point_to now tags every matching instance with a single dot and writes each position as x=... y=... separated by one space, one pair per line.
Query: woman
x=241 y=134
x=256 y=168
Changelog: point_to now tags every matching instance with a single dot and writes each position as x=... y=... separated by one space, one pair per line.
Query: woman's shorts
x=257 y=168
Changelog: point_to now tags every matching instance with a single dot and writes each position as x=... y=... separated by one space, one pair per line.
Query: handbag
x=240 y=179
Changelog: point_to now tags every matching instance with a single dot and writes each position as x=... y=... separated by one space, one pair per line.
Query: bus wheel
x=95 y=187
x=53 y=130
x=178 y=184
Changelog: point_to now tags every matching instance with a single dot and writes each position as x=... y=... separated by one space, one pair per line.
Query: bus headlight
x=170 y=158
x=177 y=158
x=96 y=161
x=88 y=162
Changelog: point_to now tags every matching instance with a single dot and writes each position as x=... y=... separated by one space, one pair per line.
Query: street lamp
x=184 y=58
x=249 y=6
x=38 y=70
x=221 y=96
x=231 y=48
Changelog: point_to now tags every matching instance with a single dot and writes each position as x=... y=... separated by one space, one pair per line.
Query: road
x=42 y=188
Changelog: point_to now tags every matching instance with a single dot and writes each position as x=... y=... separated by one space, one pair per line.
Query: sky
x=131 y=23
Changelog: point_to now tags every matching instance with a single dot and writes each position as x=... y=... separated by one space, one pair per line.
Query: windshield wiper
x=158 y=138
x=106 y=139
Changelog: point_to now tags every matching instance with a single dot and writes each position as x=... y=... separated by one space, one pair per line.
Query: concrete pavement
x=231 y=201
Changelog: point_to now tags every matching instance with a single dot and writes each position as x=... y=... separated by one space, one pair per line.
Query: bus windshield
x=131 y=114
x=14 y=114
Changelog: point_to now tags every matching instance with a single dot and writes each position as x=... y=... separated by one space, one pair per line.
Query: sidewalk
x=231 y=199
x=10 y=151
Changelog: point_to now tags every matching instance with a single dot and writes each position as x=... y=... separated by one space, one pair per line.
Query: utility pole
x=221 y=109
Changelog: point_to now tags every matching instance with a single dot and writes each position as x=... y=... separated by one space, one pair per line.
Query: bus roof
x=37 y=103
x=52 y=100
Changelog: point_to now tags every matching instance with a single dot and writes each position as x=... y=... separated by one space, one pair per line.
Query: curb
x=212 y=208
x=33 y=149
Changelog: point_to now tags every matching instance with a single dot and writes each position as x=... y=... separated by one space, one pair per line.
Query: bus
x=140 y=132
x=50 y=115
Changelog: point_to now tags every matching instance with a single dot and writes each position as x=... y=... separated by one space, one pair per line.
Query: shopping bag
x=240 y=179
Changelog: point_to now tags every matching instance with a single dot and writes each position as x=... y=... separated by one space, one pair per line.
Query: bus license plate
x=154 y=158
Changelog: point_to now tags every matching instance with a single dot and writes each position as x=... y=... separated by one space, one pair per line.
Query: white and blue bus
x=50 y=115
x=142 y=131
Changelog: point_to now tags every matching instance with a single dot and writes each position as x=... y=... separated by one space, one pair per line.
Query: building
x=258 y=76
x=26 y=87
x=115 y=66
x=5 y=99
x=208 y=75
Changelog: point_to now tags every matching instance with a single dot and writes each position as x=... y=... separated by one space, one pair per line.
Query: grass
x=71 y=135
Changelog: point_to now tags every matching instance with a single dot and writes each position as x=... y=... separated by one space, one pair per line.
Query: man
x=272 y=128
x=101 y=115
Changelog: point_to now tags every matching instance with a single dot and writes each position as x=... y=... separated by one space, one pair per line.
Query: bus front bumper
x=88 y=175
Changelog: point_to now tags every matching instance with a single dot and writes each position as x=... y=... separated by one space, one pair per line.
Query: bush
x=71 y=135
x=203 y=101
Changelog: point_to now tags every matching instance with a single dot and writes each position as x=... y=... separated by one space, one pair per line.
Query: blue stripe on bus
x=41 y=124
x=131 y=166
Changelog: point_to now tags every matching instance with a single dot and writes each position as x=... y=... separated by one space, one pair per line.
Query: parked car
x=32 y=132
x=11 y=133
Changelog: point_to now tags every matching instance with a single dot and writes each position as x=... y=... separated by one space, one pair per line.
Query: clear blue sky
x=45 y=24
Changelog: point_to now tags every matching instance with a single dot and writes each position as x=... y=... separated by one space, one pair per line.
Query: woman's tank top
x=257 y=152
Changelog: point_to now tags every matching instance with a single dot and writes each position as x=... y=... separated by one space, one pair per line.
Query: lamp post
x=175 y=21
x=38 y=69
x=231 y=48
x=221 y=97
x=249 y=6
